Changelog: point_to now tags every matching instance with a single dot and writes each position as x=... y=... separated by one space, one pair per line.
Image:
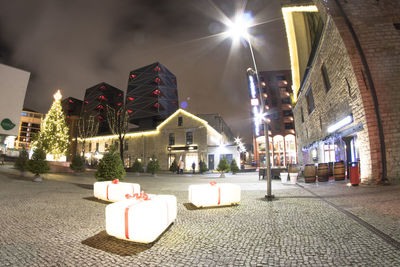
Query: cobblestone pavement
x=59 y=223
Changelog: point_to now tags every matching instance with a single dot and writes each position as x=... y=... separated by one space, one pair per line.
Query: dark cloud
x=74 y=44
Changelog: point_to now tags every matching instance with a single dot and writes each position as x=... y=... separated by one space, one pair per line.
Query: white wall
x=13 y=84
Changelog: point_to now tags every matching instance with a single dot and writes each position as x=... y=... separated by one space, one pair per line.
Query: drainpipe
x=372 y=88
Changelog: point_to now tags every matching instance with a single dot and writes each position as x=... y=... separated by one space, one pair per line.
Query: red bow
x=115 y=181
x=142 y=195
x=213 y=183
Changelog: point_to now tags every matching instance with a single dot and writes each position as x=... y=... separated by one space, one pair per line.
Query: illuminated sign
x=7 y=124
x=343 y=122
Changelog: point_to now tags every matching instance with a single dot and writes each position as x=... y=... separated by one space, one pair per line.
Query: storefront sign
x=7 y=124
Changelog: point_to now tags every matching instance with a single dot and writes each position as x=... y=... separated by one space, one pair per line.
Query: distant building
x=29 y=125
x=13 y=84
x=181 y=136
x=152 y=95
x=72 y=108
x=96 y=100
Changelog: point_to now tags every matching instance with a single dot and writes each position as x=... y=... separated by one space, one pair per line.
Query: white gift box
x=141 y=220
x=114 y=190
x=214 y=194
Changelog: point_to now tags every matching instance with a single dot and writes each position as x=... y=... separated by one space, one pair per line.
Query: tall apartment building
x=72 y=108
x=96 y=100
x=29 y=125
x=152 y=95
x=276 y=87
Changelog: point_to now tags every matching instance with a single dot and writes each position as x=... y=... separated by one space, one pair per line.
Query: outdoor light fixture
x=343 y=122
x=238 y=28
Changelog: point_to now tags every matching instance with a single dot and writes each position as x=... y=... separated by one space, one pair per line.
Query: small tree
x=153 y=167
x=137 y=166
x=78 y=164
x=174 y=166
x=38 y=164
x=22 y=161
x=110 y=167
x=234 y=167
x=202 y=167
x=223 y=166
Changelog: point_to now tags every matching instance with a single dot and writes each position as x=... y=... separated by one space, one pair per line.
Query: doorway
x=211 y=161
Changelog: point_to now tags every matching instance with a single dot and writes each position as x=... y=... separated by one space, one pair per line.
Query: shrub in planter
x=223 y=166
x=174 y=166
x=137 y=166
x=38 y=163
x=77 y=163
x=110 y=167
x=153 y=167
x=202 y=167
x=22 y=161
x=234 y=167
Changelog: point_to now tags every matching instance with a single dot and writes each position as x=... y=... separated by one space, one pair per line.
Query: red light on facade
x=103 y=87
x=157 y=80
x=68 y=116
x=85 y=110
x=100 y=107
x=157 y=68
x=132 y=76
x=100 y=117
x=156 y=105
x=102 y=97
x=119 y=94
x=131 y=98
x=86 y=102
x=130 y=111
x=156 y=92
x=70 y=101
x=119 y=104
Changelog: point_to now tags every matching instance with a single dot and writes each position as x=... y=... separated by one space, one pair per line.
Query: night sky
x=73 y=45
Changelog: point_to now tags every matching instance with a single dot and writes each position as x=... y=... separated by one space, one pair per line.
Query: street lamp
x=237 y=29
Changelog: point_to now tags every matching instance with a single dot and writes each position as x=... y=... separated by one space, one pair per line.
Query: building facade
x=182 y=136
x=345 y=59
x=152 y=95
x=28 y=126
x=13 y=85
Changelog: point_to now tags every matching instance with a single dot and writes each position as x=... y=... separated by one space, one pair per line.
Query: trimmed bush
x=234 y=167
x=110 y=167
x=153 y=167
x=22 y=161
x=137 y=166
x=77 y=163
x=38 y=164
x=223 y=165
x=174 y=166
x=202 y=167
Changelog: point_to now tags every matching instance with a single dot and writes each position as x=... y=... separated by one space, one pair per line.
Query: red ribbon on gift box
x=115 y=181
x=213 y=183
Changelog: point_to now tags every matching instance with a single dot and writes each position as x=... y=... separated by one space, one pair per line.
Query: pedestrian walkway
x=58 y=222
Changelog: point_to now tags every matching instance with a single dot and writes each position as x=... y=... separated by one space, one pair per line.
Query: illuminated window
x=180 y=121
x=325 y=77
x=290 y=149
x=189 y=138
x=171 y=139
x=310 y=100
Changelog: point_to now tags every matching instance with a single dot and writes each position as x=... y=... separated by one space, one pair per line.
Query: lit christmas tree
x=53 y=136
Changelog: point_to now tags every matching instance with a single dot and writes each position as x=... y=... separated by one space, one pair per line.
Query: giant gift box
x=214 y=194
x=114 y=190
x=141 y=218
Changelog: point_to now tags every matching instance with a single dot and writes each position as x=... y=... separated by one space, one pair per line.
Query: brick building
x=345 y=60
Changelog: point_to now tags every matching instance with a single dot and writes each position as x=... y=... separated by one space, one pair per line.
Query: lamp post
x=238 y=28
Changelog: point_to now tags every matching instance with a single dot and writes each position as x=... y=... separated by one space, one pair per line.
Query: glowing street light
x=236 y=29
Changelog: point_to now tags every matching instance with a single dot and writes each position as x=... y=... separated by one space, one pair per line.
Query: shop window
x=189 y=138
x=329 y=152
x=278 y=153
x=310 y=100
x=171 y=139
x=325 y=77
x=290 y=149
x=228 y=157
x=180 y=121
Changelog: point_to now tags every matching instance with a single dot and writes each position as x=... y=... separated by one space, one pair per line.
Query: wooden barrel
x=339 y=170
x=292 y=168
x=309 y=173
x=323 y=172
x=330 y=169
